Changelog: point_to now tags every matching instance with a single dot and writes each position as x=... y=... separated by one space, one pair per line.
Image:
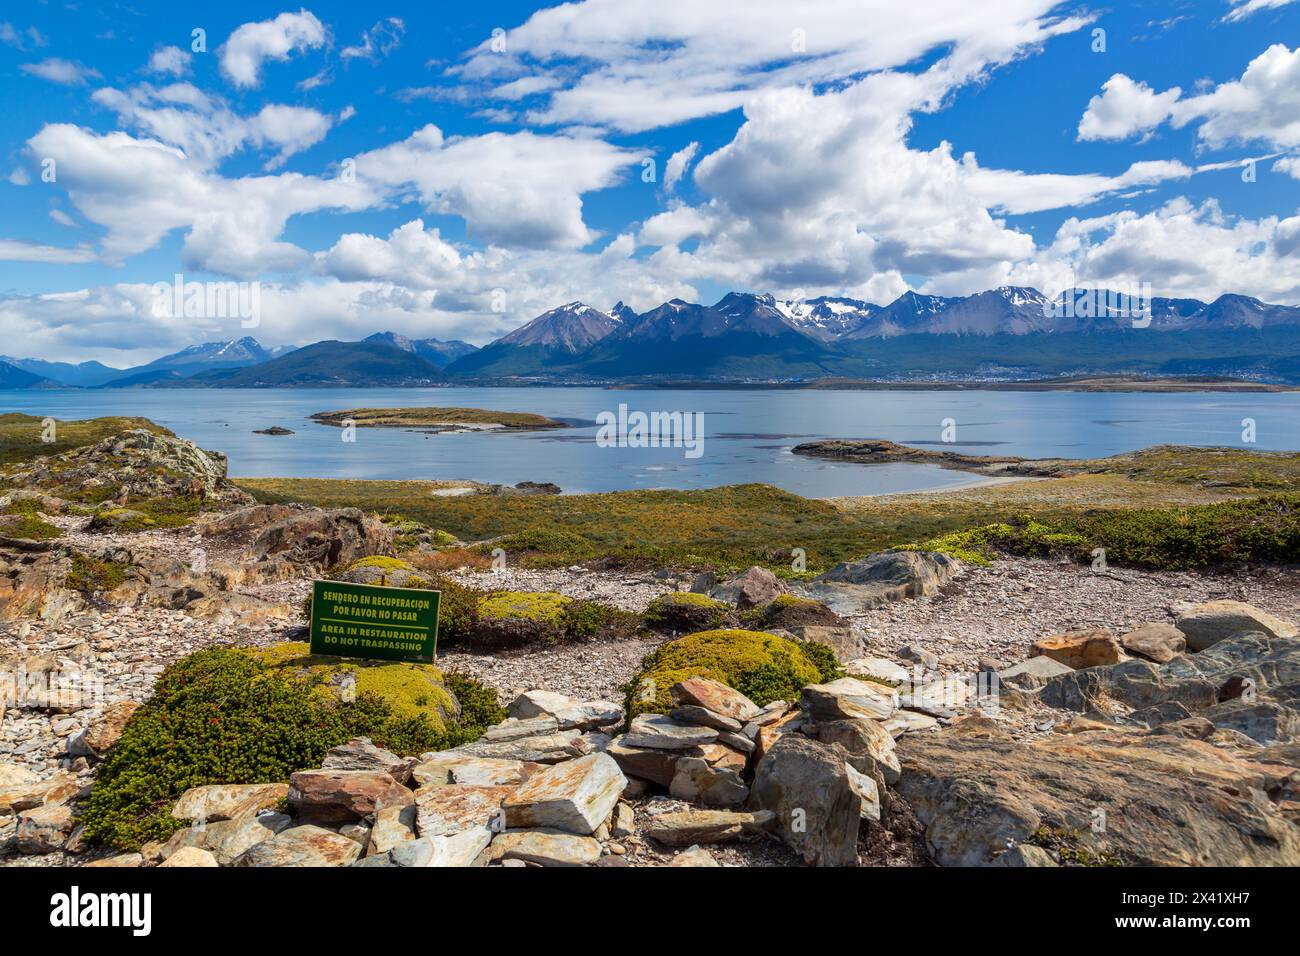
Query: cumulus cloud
x=1262 y=106
x=243 y=54
x=64 y=72
x=1125 y=107
x=518 y=189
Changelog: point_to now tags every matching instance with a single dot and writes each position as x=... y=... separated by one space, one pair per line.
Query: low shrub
x=89 y=575
x=224 y=716
x=683 y=612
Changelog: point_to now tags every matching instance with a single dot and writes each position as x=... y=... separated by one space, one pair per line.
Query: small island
x=438 y=419
x=273 y=430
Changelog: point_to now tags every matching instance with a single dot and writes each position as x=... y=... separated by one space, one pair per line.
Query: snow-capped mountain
x=569 y=328
x=827 y=317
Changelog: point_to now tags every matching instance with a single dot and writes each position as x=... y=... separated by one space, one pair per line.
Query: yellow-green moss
x=380 y=561
x=762 y=666
x=409 y=689
x=683 y=611
x=544 y=607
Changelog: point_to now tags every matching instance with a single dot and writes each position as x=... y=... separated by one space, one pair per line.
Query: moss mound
x=761 y=666
x=683 y=612
x=521 y=617
x=385 y=570
x=409 y=690
x=226 y=716
x=89 y=575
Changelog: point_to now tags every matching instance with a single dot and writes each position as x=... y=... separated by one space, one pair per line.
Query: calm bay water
x=747 y=434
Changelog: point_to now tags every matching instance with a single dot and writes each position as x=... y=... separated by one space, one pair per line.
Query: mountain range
x=1002 y=333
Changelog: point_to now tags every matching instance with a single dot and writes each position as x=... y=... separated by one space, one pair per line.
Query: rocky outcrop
x=856 y=586
x=1137 y=798
x=750 y=589
x=1087 y=648
x=1206 y=624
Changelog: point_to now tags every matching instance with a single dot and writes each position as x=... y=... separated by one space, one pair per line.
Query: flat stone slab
x=440 y=811
x=664 y=733
x=689 y=827
x=303 y=846
x=849 y=698
x=544 y=847
x=715 y=696
x=576 y=796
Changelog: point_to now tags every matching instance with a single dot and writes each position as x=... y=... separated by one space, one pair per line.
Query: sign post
x=368 y=620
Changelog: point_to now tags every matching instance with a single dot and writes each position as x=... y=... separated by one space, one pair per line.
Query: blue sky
x=452 y=171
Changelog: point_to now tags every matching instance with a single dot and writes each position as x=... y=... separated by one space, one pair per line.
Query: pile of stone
x=809 y=774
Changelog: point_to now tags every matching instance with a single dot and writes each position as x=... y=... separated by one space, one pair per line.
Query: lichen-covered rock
x=544 y=847
x=302 y=846
x=790 y=611
x=333 y=797
x=849 y=699
x=228 y=801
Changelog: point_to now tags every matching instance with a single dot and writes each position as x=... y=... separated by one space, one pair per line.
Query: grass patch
x=147 y=515
x=22 y=436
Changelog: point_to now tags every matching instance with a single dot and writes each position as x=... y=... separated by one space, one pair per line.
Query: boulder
x=394 y=825
x=121 y=860
x=694 y=856
x=190 y=856
x=236 y=609
x=703 y=717
x=1078 y=649
x=750 y=589
x=341 y=796
x=695 y=780
x=713 y=696
x=882 y=669
x=462 y=848
x=646 y=763
x=544 y=847
x=686 y=827
x=227 y=840
x=360 y=753
x=1206 y=624
x=1168 y=801
x=450 y=810
x=538 y=703
x=22 y=788
x=43 y=829
x=302 y=846
x=96 y=740
x=1135 y=684
x=846 y=643
x=1155 y=642
x=228 y=801
x=849 y=699
x=681 y=612
x=816 y=796
x=319 y=538
x=450 y=767
x=868 y=743
x=855 y=586
x=1033 y=673
x=577 y=796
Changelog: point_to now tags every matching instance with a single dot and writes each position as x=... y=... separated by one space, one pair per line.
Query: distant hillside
x=11 y=376
x=83 y=374
x=329 y=364
x=435 y=351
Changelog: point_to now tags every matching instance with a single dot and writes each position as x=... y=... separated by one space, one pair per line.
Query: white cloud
x=17 y=251
x=205 y=127
x=1125 y=107
x=21 y=39
x=377 y=42
x=231 y=225
x=1242 y=9
x=1290 y=165
x=635 y=65
x=170 y=60
x=64 y=72
x=62 y=218
x=243 y=54
x=516 y=189
x=1262 y=106
x=677 y=165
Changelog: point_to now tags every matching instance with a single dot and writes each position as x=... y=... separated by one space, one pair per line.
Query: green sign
x=369 y=620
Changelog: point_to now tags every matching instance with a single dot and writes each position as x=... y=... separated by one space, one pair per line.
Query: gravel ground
x=999 y=611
